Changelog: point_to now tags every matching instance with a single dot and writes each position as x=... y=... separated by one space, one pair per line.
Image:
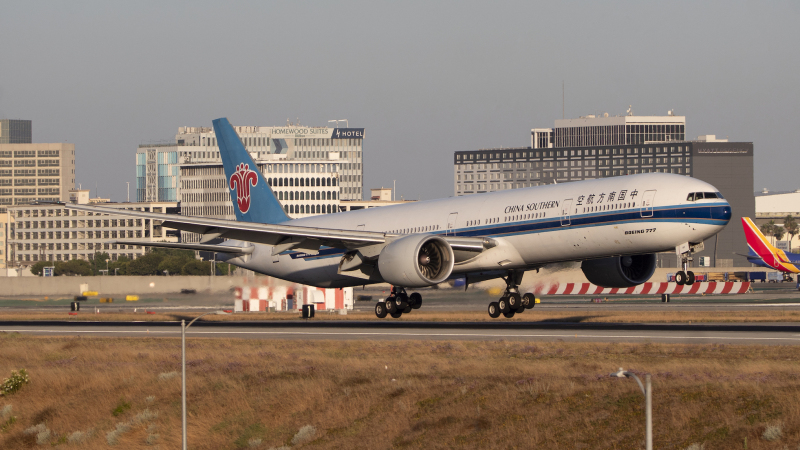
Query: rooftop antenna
x=629 y=110
x=562 y=99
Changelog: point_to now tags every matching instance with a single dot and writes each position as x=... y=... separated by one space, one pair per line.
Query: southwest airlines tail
x=253 y=199
x=765 y=254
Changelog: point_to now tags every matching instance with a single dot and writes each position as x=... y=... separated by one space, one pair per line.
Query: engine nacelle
x=416 y=261
x=620 y=271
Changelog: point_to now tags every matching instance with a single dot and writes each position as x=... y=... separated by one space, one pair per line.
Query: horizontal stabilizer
x=201 y=247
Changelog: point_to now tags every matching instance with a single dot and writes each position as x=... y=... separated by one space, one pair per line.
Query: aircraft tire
x=402 y=302
x=680 y=278
x=503 y=304
x=494 y=310
x=529 y=300
x=396 y=315
x=408 y=309
x=380 y=310
x=508 y=314
x=689 y=277
x=415 y=300
x=391 y=305
x=514 y=301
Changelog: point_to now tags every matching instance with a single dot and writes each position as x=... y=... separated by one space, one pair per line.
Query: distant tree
x=183 y=253
x=99 y=262
x=196 y=267
x=38 y=267
x=173 y=264
x=224 y=269
x=778 y=232
x=768 y=229
x=119 y=267
x=146 y=265
x=74 y=267
x=791 y=227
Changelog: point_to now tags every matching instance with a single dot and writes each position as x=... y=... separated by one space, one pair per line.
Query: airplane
x=614 y=226
x=764 y=254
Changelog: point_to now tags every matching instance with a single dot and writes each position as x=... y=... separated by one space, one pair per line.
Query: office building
x=3 y=240
x=16 y=131
x=54 y=233
x=35 y=172
x=597 y=147
x=158 y=165
x=303 y=188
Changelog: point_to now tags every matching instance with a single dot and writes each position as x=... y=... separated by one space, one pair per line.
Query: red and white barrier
x=283 y=297
x=709 y=288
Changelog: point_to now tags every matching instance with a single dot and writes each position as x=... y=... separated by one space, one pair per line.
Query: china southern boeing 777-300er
x=614 y=226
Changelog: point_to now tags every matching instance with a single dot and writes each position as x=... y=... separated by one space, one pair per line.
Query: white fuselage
x=625 y=215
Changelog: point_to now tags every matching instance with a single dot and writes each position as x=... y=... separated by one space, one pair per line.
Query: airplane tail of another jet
x=769 y=254
x=253 y=199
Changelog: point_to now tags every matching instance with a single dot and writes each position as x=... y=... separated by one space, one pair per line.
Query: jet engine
x=620 y=271
x=416 y=261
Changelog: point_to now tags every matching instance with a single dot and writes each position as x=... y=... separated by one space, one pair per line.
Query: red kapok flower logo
x=241 y=180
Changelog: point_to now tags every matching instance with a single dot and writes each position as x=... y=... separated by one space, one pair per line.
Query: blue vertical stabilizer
x=253 y=199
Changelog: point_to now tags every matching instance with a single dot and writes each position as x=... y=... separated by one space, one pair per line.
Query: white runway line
x=320 y=333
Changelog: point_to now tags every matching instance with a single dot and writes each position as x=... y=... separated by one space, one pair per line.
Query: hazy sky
x=424 y=78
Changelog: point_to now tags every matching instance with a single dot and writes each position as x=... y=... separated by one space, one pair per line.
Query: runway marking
x=301 y=333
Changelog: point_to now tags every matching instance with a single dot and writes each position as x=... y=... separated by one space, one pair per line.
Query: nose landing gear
x=685 y=276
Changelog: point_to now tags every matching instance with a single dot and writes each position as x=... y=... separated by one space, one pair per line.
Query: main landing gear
x=398 y=303
x=512 y=302
x=685 y=276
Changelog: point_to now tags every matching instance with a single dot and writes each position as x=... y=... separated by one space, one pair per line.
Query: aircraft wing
x=202 y=247
x=282 y=237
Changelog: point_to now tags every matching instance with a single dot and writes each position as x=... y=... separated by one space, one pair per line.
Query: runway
x=760 y=334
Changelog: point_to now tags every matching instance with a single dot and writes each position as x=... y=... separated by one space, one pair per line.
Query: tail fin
x=253 y=199
x=759 y=244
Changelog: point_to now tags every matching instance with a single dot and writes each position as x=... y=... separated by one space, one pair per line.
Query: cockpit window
x=694 y=196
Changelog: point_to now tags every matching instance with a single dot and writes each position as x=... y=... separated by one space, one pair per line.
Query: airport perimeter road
x=761 y=334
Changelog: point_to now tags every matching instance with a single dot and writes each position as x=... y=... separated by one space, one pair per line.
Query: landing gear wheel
x=509 y=314
x=396 y=315
x=494 y=310
x=680 y=278
x=514 y=301
x=407 y=310
x=503 y=304
x=415 y=300
x=391 y=305
x=402 y=302
x=529 y=300
x=380 y=310
x=689 y=277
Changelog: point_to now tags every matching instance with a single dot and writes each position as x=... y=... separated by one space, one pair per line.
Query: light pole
x=183 y=371
x=647 y=390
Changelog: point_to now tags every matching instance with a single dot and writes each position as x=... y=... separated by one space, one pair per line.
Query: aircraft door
x=646 y=209
x=565 y=207
x=451 y=224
